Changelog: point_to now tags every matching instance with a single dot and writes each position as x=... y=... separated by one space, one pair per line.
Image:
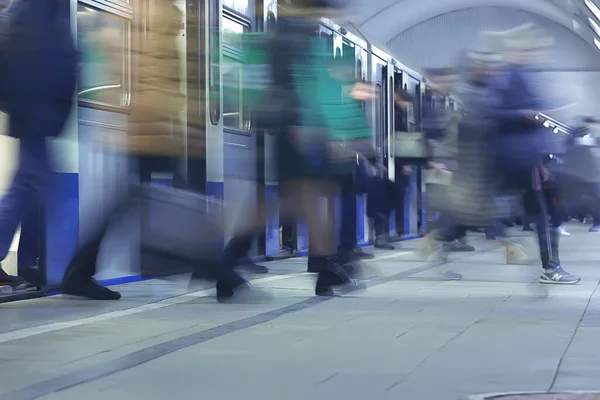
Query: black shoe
x=383 y=245
x=255 y=268
x=331 y=275
x=89 y=288
x=33 y=276
x=229 y=281
x=15 y=282
x=360 y=254
x=595 y=229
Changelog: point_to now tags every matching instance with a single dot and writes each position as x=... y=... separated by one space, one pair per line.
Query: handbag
x=344 y=151
x=180 y=230
x=410 y=146
x=437 y=177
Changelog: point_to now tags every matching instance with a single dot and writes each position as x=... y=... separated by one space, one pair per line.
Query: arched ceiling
x=383 y=20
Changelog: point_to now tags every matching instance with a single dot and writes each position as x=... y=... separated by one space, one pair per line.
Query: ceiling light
x=547 y=124
x=595 y=26
x=597 y=43
x=593 y=8
x=555 y=130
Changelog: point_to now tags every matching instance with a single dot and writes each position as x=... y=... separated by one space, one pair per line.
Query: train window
x=214 y=56
x=105 y=46
x=234 y=115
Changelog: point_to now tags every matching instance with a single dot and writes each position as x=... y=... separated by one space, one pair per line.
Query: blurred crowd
x=488 y=165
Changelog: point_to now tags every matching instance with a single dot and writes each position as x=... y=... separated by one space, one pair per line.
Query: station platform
x=410 y=335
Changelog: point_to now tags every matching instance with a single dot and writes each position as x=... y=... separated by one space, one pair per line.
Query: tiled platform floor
x=410 y=336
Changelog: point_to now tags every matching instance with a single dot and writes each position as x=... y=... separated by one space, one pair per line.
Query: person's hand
x=406 y=170
x=363 y=92
x=381 y=167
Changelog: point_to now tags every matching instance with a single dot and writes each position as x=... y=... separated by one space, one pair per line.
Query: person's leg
x=381 y=199
x=456 y=241
x=28 y=187
x=306 y=197
x=529 y=208
x=548 y=244
x=348 y=223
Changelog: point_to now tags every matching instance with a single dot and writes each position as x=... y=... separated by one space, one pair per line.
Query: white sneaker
x=562 y=232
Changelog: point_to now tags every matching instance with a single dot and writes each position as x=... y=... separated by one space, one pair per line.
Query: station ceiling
x=384 y=20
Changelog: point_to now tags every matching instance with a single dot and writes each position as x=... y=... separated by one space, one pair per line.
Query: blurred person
x=304 y=118
x=521 y=141
x=580 y=172
x=354 y=183
x=154 y=139
x=441 y=128
x=474 y=181
x=39 y=75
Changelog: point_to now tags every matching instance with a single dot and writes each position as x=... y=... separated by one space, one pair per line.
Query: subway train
x=209 y=47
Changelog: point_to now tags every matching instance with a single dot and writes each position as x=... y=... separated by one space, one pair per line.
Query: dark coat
x=39 y=68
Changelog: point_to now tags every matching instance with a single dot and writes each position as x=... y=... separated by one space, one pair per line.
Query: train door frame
x=197 y=44
x=269 y=243
x=412 y=218
x=380 y=73
x=101 y=108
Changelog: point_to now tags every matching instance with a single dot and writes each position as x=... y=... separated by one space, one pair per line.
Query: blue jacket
x=39 y=68
x=515 y=95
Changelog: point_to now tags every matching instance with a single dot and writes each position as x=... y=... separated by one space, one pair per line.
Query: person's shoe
x=383 y=245
x=561 y=231
x=360 y=254
x=554 y=274
x=595 y=229
x=89 y=288
x=508 y=223
x=457 y=246
x=33 y=276
x=450 y=275
x=333 y=274
x=16 y=282
x=255 y=268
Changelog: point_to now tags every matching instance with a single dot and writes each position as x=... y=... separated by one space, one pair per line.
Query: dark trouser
x=449 y=229
x=547 y=240
x=28 y=189
x=348 y=223
x=555 y=209
x=401 y=188
x=380 y=197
